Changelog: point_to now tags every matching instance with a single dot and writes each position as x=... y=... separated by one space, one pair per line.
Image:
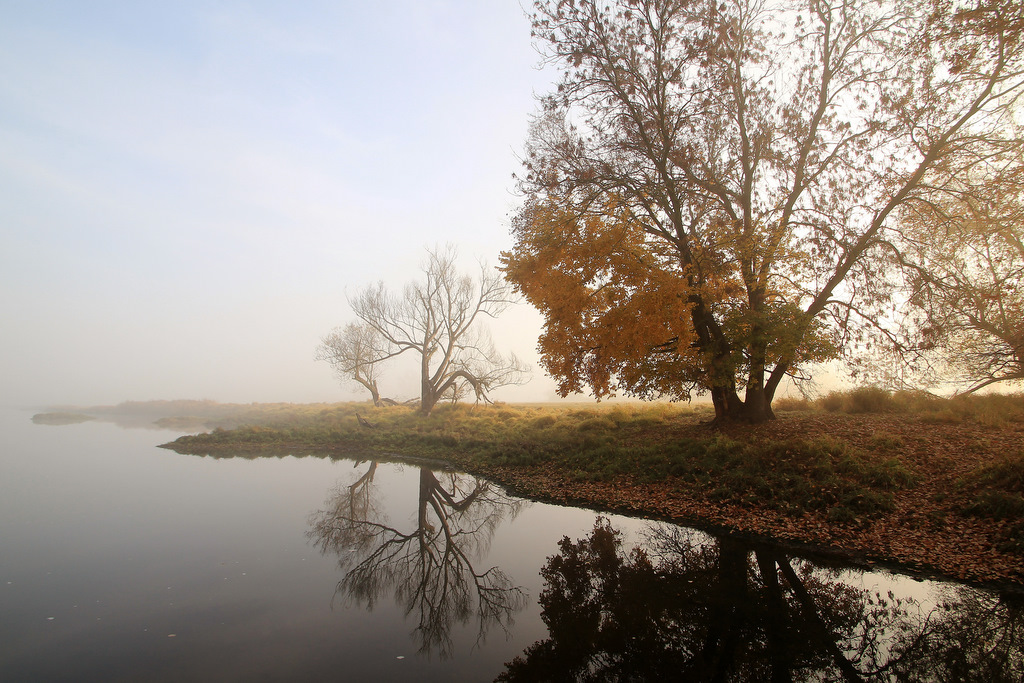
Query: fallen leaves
x=924 y=531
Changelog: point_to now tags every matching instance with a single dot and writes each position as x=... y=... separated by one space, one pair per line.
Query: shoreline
x=917 y=536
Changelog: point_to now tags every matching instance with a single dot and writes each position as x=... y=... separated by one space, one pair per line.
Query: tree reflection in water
x=428 y=569
x=677 y=610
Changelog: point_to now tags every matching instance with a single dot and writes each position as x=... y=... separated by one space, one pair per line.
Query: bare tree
x=355 y=352
x=439 y=319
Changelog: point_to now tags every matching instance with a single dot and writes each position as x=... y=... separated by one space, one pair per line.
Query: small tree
x=438 y=319
x=355 y=352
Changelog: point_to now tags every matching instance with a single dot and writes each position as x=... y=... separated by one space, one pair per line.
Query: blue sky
x=188 y=190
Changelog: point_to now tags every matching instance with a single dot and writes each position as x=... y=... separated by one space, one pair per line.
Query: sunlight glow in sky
x=188 y=190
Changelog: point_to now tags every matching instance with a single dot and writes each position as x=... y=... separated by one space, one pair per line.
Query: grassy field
x=867 y=469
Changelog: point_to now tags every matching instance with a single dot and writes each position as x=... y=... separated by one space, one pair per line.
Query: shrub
x=841 y=515
x=941 y=417
x=791 y=403
x=996 y=505
x=913 y=401
x=997 y=494
x=869 y=400
x=543 y=421
x=1007 y=475
x=601 y=423
x=832 y=402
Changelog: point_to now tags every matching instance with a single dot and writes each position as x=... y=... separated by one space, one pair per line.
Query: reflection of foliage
x=680 y=611
x=430 y=569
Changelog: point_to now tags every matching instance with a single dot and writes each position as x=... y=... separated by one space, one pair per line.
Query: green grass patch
x=601 y=443
x=996 y=491
x=797 y=475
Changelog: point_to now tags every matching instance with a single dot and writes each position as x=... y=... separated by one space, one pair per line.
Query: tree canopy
x=715 y=190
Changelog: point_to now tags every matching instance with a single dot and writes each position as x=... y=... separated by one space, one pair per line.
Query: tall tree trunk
x=757 y=401
x=428 y=399
x=428 y=393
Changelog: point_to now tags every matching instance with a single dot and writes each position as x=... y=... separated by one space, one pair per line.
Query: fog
x=189 y=193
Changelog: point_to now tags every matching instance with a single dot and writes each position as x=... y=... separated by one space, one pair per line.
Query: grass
x=795 y=475
x=599 y=444
x=996 y=491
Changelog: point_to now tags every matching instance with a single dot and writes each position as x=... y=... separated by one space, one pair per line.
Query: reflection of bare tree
x=974 y=636
x=429 y=569
x=731 y=612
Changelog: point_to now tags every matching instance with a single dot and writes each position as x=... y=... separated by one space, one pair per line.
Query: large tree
x=439 y=320
x=713 y=188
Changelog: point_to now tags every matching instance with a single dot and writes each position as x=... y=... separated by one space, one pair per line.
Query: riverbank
x=930 y=491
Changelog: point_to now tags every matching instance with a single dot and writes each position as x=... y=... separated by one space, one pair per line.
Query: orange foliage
x=618 y=306
x=614 y=304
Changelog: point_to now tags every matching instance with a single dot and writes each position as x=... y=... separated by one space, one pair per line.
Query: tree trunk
x=428 y=394
x=427 y=403
x=757 y=403
x=757 y=406
x=371 y=386
x=755 y=409
x=428 y=398
x=728 y=405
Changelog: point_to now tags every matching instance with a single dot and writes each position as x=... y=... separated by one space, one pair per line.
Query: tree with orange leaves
x=713 y=192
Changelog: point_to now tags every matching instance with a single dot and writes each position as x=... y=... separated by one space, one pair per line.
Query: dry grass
x=990 y=410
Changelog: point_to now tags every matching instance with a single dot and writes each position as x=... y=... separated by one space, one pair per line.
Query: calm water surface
x=123 y=561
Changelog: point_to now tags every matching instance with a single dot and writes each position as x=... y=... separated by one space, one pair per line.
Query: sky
x=189 y=191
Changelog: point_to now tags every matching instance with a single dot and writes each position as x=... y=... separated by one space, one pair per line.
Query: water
x=123 y=561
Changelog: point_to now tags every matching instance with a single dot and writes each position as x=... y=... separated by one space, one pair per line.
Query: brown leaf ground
x=925 y=531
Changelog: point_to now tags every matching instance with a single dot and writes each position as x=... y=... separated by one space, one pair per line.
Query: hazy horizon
x=190 y=192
